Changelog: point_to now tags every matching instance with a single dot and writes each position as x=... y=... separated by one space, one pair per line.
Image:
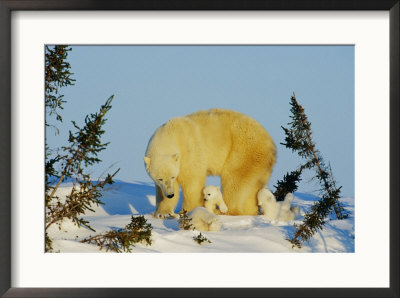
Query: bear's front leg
x=193 y=193
x=166 y=206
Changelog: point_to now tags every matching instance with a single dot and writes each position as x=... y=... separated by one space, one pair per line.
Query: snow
x=237 y=234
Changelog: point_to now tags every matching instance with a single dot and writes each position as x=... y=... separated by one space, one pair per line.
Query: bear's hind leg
x=249 y=195
x=240 y=194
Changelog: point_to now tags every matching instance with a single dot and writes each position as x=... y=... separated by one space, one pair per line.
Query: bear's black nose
x=170 y=196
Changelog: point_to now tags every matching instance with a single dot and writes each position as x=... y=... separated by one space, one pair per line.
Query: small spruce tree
x=57 y=74
x=287 y=185
x=299 y=139
x=200 y=239
x=122 y=240
x=85 y=144
x=185 y=222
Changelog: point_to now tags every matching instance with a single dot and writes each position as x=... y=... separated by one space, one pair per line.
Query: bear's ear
x=147 y=161
x=175 y=157
x=218 y=188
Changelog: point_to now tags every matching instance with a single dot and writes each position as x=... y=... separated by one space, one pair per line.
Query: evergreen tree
x=299 y=139
x=185 y=222
x=287 y=185
x=57 y=75
x=200 y=239
x=83 y=149
x=82 y=152
x=57 y=72
x=121 y=240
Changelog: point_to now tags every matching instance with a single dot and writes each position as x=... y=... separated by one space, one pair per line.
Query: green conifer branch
x=85 y=144
x=287 y=185
x=185 y=222
x=121 y=240
x=299 y=139
x=57 y=75
x=83 y=149
x=200 y=239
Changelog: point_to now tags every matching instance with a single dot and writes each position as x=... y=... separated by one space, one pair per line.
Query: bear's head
x=213 y=197
x=163 y=169
x=211 y=192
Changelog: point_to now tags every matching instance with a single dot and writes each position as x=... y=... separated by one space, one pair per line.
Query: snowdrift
x=238 y=233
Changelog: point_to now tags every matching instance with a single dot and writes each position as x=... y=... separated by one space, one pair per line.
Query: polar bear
x=279 y=211
x=213 y=198
x=185 y=150
x=204 y=220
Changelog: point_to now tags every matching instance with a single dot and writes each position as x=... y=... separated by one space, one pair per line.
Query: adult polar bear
x=185 y=150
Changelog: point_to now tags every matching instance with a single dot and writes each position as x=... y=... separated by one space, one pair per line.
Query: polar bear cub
x=280 y=211
x=212 y=198
x=204 y=220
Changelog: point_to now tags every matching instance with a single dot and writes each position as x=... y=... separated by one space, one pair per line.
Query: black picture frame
x=8 y=6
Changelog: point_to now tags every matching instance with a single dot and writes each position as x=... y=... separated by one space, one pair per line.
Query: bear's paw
x=160 y=215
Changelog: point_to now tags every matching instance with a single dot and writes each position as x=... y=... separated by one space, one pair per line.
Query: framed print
x=159 y=60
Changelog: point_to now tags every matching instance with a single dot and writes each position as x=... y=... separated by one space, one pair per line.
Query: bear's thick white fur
x=204 y=220
x=185 y=150
x=213 y=198
x=279 y=211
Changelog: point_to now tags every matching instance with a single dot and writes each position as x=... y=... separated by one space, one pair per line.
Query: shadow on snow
x=130 y=198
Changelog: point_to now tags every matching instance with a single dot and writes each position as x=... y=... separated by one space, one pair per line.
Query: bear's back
x=227 y=125
x=228 y=119
x=216 y=115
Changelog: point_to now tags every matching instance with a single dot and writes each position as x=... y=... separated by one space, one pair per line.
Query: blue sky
x=152 y=84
